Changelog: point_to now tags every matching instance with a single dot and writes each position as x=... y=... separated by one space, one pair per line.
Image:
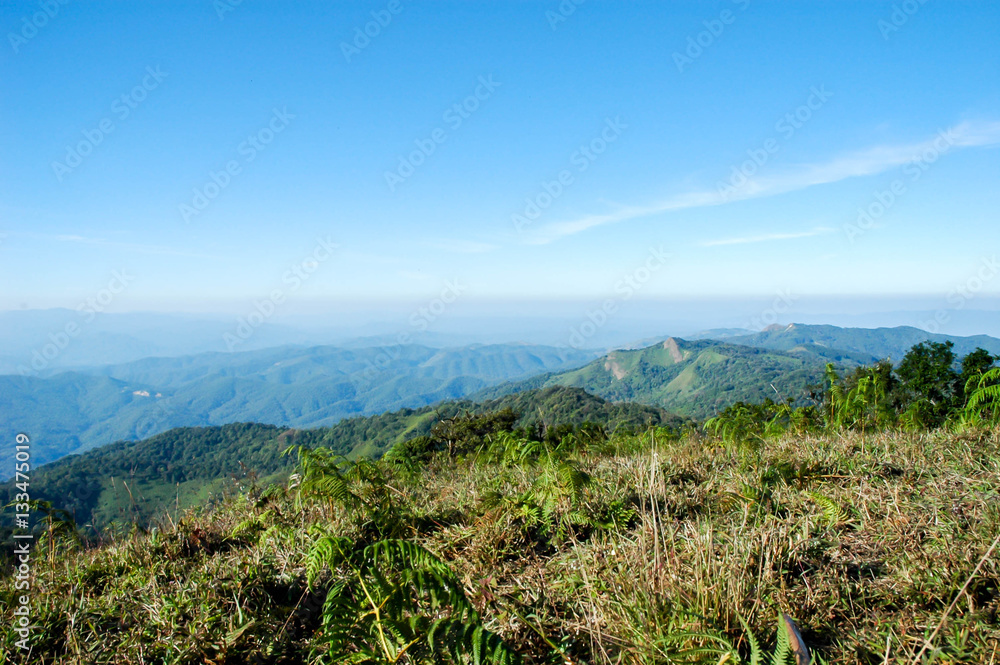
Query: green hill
x=694 y=379
x=698 y=378
x=137 y=480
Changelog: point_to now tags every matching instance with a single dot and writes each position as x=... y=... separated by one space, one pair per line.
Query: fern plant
x=862 y=400
x=835 y=398
x=984 y=397
x=508 y=450
x=561 y=488
x=739 y=424
x=395 y=602
x=360 y=487
x=790 y=648
x=834 y=514
x=555 y=501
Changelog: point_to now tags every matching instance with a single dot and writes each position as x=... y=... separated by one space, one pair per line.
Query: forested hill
x=134 y=481
x=693 y=378
x=699 y=378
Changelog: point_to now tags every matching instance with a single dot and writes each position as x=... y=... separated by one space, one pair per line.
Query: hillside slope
x=136 y=480
x=693 y=379
x=697 y=378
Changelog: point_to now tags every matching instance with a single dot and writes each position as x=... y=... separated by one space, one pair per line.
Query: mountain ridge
x=302 y=387
x=697 y=378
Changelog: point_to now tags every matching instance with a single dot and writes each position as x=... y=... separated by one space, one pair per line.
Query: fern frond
x=986 y=395
x=401 y=554
x=457 y=638
x=572 y=479
x=834 y=514
x=755 y=652
x=327 y=552
x=783 y=649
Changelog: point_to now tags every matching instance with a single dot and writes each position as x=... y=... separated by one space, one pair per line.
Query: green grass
x=868 y=542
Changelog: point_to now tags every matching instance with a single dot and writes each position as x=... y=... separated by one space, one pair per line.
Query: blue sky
x=836 y=100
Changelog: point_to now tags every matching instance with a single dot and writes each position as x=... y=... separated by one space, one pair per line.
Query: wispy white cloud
x=768 y=237
x=463 y=246
x=866 y=162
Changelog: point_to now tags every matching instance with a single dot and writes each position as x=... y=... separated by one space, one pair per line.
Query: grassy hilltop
x=654 y=548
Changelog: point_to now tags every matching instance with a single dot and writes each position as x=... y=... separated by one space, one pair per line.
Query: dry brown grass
x=881 y=569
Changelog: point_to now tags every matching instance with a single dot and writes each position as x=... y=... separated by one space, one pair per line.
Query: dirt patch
x=612 y=366
x=675 y=352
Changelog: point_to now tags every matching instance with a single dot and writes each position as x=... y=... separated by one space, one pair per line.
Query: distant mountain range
x=866 y=344
x=74 y=411
x=318 y=386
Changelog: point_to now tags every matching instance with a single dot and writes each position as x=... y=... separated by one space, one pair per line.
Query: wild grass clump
x=869 y=546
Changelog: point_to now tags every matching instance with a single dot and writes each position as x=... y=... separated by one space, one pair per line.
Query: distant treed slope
x=537 y=409
x=567 y=405
x=72 y=412
x=694 y=379
x=864 y=344
x=136 y=480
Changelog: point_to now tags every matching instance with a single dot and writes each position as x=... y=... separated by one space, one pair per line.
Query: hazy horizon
x=582 y=324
